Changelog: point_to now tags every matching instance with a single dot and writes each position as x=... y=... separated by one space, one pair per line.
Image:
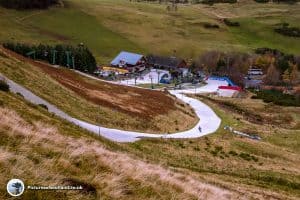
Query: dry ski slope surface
x=209 y=121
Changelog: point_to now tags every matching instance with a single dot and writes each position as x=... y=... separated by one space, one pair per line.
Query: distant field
x=109 y=26
x=152 y=27
x=99 y=102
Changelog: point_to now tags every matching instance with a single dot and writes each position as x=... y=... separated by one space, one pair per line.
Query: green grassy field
x=69 y=26
x=109 y=26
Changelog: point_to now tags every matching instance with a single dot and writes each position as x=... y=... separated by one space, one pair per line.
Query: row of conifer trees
x=27 y=4
x=78 y=57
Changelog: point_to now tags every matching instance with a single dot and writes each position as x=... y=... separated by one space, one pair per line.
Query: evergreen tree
x=83 y=57
x=27 y=4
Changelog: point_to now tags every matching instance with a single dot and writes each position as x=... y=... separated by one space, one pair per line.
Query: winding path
x=209 y=121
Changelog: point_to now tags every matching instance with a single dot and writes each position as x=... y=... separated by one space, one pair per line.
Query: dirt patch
x=136 y=102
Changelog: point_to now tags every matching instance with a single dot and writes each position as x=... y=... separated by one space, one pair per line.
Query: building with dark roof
x=168 y=63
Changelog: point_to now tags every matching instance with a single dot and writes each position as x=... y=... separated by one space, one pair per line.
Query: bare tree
x=208 y=61
x=294 y=73
x=273 y=75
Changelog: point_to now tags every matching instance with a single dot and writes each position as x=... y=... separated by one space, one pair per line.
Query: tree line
x=27 y=4
x=211 y=2
x=79 y=57
x=279 y=68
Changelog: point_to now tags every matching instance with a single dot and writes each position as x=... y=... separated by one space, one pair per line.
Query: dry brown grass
x=42 y=155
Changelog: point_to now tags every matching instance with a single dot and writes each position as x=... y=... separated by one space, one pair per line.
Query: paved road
x=209 y=122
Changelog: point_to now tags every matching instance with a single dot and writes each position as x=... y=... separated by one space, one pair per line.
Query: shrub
x=212 y=2
x=209 y=25
x=27 y=4
x=4 y=86
x=43 y=106
x=255 y=159
x=218 y=148
x=245 y=156
x=181 y=145
x=288 y=31
x=266 y=50
x=277 y=97
x=19 y=94
x=196 y=148
x=233 y=153
x=286 y=1
x=231 y=23
x=262 y=1
x=214 y=153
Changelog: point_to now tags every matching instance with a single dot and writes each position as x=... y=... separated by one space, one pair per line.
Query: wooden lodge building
x=129 y=61
x=167 y=63
x=136 y=62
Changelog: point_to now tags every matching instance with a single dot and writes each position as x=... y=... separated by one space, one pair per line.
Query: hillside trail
x=21 y=19
x=217 y=13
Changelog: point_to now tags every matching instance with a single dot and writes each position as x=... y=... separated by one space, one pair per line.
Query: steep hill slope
x=99 y=102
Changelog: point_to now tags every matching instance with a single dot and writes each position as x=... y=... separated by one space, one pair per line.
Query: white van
x=255 y=72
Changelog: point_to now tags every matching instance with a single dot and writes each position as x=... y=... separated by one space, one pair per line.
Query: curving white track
x=209 y=121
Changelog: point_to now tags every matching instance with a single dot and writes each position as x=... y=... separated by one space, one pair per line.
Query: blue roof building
x=127 y=58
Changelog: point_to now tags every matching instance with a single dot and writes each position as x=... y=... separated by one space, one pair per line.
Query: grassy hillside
x=161 y=31
x=269 y=166
x=108 y=26
x=257 y=169
x=42 y=150
x=69 y=25
x=32 y=140
x=99 y=102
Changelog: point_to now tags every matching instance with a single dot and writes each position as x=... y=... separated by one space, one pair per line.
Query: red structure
x=230 y=88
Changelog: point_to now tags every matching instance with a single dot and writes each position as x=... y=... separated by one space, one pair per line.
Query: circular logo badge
x=15 y=187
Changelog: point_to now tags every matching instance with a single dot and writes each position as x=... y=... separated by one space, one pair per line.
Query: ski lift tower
x=30 y=53
x=54 y=52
